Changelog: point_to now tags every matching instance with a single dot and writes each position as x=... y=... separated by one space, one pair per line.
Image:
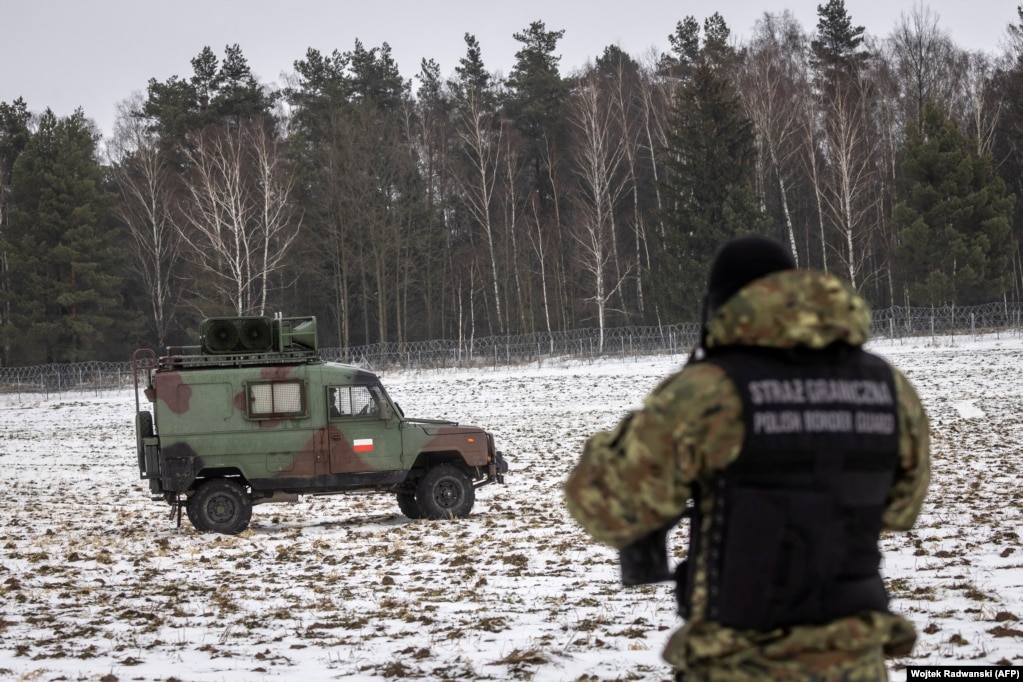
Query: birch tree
x=599 y=153
x=479 y=132
x=844 y=138
x=850 y=197
x=927 y=64
x=240 y=222
x=148 y=210
x=433 y=142
x=773 y=87
x=621 y=78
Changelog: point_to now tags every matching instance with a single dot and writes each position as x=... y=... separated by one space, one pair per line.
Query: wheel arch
x=427 y=460
x=212 y=473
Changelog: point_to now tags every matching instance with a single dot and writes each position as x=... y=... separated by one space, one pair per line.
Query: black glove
x=646 y=560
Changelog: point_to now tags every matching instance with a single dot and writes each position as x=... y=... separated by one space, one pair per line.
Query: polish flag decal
x=363 y=445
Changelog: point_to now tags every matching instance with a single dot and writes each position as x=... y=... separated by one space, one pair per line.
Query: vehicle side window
x=353 y=401
x=276 y=399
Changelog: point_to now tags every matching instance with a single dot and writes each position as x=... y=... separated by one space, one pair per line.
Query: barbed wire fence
x=939 y=325
x=57 y=379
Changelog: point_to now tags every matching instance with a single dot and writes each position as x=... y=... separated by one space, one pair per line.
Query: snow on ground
x=97 y=583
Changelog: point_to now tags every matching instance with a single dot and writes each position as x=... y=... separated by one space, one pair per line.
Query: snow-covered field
x=97 y=583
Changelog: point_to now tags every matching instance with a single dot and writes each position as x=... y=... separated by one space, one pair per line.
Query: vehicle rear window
x=277 y=399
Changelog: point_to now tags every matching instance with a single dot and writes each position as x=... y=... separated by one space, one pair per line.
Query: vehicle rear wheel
x=408 y=505
x=190 y=511
x=445 y=492
x=220 y=506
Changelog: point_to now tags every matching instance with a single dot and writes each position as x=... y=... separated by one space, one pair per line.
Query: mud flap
x=501 y=466
x=176 y=511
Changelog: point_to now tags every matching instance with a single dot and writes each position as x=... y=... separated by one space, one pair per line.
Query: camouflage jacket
x=638 y=477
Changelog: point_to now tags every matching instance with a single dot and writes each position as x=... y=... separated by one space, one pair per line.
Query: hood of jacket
x=788 y=309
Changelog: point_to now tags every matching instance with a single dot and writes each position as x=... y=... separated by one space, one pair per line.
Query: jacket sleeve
x=636 y=478
x=913 y=475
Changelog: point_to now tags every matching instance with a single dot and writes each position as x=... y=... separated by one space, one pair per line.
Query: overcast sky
x=65 y=54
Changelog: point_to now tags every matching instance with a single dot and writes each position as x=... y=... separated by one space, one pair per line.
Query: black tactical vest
x=796 y=518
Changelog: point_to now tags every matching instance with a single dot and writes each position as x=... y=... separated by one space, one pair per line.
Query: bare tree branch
x=149 y=192
x=240 y=216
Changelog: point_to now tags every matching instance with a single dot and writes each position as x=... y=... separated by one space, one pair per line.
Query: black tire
x=445 y=492
x=190 y=511
x=408 y=505
x=220 y=506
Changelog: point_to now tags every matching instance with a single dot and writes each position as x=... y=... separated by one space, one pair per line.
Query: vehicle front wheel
x=445 y=492
x=220 y=506
x=408 y=505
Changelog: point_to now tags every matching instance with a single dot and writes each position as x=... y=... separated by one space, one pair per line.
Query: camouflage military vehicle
x=253 y=415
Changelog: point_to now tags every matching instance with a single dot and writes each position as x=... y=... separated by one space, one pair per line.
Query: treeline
x=475 y=205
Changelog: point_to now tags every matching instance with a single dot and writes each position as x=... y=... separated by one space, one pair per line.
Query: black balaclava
x=741 y=260
x=738 y=262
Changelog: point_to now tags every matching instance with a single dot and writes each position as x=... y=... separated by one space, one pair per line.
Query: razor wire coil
x=891 y=325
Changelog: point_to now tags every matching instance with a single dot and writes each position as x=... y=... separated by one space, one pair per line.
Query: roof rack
x=245 y=341
x=190 y=357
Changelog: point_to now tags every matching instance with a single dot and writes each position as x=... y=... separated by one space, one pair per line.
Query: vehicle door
x=363 y=431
